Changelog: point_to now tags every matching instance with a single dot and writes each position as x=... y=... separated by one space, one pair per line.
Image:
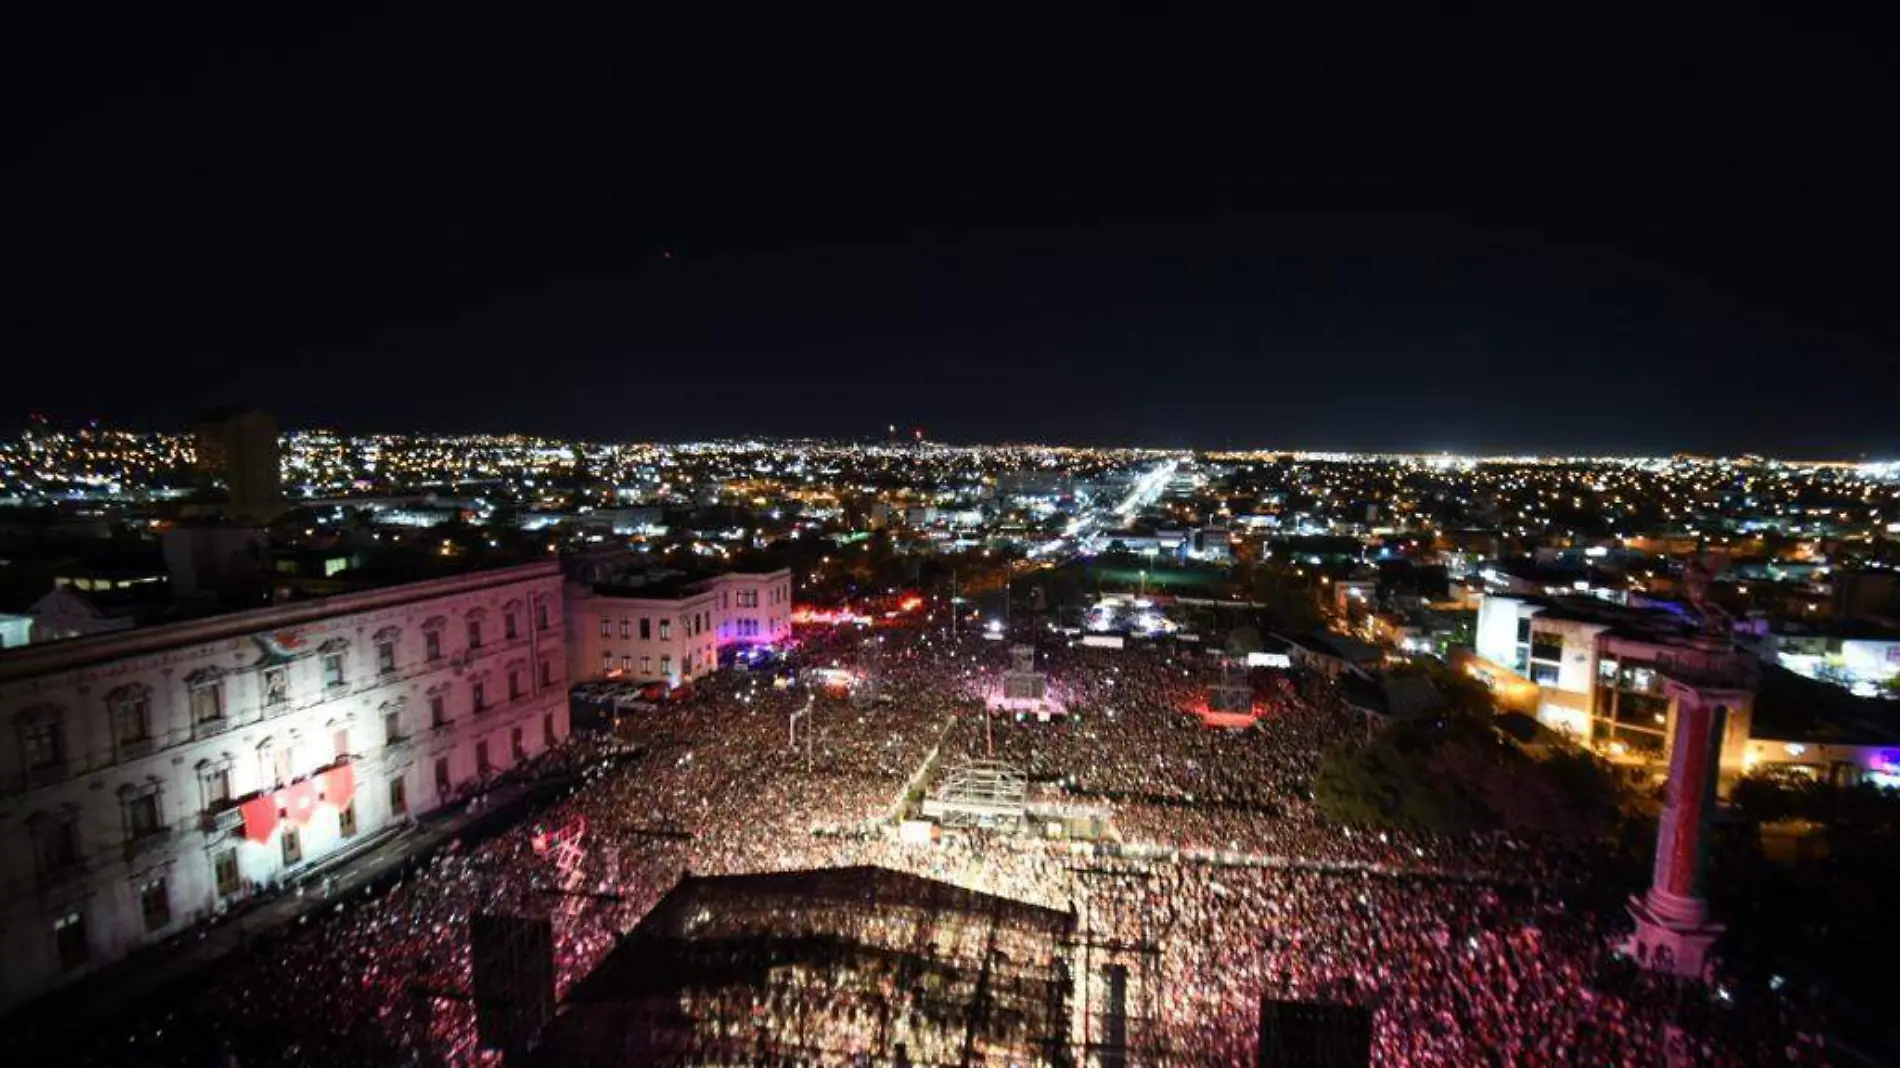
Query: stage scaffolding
x=980 y=793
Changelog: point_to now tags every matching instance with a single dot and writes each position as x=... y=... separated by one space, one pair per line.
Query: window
x=666 y=630
x=131 y=717
x=141 y=815
x=626 y=663
x=646 y=665
x=438 y=710
x=207 y=703
x=540 y=613
x=514 y=685
x=1547 y=646
x=432 y=645
x=333 y=670
x=606 y=627
x=293 y=846
x=442 y=781
x=515 y=744
x=547 y=672
x=398 y=797
x=279 y=758
x=156 y=904
x=606 y=663
x=479 y=693
x=216 y=780
x=666 y=665
x=547 y=730
x=224 y=866
x=385 y=657
x=474 y=634
x=1543 y=674
x=69 y=933
x=340 y=743
x=1523 y=630
x=509 y=628
x=646 y=629
x=276 y=686
x=56 y=843
x=346 y=821
x=623 y=626
x=43 y=744
x=482 y=764
x=392 y=726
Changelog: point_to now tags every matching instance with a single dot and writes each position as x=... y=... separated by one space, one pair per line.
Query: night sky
x=1525 y=237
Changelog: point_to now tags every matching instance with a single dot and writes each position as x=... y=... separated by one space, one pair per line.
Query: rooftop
x=43 y=658
x=1790 y=707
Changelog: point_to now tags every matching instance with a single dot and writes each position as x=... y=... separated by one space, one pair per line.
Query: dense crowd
x=1218 y=882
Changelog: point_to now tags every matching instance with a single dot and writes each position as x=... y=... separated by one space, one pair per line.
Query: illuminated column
x=1673 y=932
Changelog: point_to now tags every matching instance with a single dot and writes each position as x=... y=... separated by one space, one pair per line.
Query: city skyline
x=893 y=436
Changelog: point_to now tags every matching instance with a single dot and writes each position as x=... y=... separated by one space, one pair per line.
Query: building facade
x=240 y=449
x=155 y=777
x=672 y=635
x=1600 y=673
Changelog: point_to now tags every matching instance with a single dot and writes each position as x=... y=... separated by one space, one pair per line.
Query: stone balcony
x=222 y=820
x=151 y=842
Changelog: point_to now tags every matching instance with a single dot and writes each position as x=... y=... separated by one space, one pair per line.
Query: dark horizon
x=1530 y=243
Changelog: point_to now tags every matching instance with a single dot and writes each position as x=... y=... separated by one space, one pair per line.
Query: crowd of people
x=1216 y=882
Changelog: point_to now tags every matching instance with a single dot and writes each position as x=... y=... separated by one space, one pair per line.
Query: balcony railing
x=211 y=728
x=221 y=820
x=57 y=879
x=151 y=840
x=137 y=747
x=47 y=773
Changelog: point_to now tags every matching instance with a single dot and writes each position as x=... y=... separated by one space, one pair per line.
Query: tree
x=1455 y=774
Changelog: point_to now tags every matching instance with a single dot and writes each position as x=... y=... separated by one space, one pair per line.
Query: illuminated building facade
x=1600 y=671
x=669 y=630
x=155 y=777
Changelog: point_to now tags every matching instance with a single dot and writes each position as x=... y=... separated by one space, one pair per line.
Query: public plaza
x=1138 y=883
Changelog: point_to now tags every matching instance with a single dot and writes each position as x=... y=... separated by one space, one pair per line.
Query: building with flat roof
x=645 y=626
x=153 y=777
x=1599 y=671
x=239 y=449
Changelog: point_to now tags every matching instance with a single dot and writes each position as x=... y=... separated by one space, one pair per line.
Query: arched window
x=130 y=709
x=385 y=642
x=42 y=733
x=140 y=806
x=205 y=689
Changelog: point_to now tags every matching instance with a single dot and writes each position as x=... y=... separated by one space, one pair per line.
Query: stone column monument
x=1673 y=930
